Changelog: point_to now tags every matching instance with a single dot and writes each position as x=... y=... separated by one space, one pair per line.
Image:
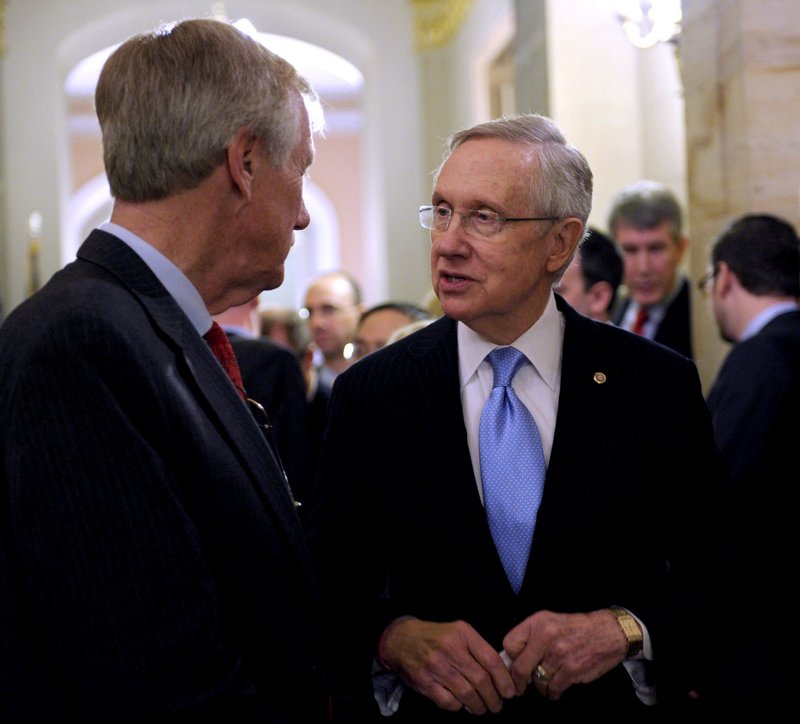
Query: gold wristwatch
x=631 y=630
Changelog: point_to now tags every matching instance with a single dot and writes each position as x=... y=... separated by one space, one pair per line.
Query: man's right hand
x=447 y=662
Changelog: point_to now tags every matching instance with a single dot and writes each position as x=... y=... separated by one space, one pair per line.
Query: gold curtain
x=437 y=21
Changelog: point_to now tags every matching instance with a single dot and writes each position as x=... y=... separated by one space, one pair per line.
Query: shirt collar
x=173 y=279
x=763 y=318
x=541 y=344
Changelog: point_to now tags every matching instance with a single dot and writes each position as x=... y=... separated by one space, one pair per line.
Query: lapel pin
x=599 y=377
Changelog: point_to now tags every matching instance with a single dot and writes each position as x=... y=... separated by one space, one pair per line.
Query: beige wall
x=336 y=156
x=622 y=106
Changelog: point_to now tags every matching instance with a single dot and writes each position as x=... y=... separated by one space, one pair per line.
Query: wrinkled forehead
x=486 y=170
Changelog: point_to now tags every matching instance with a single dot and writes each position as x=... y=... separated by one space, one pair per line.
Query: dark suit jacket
x=152 y=567
x=675 y=329
x=271 y=375
x=626 y=519
x=755 y=410
x=318 y=417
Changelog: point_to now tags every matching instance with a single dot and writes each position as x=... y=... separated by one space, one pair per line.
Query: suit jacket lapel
x=584 y=372
x=441 y=412
x=210 y=381
x=587 y=366
x=454 y=488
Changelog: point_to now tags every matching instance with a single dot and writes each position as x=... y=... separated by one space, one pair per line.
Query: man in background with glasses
x=753 y=287
x=618 y=560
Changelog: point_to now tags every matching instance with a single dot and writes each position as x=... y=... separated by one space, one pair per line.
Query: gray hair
x=646 y=205
x=563 y=185
x=170 y=101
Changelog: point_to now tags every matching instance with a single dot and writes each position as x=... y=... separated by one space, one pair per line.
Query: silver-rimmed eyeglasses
x=706 y=282
x=480 y=221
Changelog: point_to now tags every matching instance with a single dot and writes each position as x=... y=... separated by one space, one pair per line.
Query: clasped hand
x=451 y=664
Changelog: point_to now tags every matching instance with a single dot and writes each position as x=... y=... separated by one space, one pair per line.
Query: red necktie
x=221 y=347
x=641 y=320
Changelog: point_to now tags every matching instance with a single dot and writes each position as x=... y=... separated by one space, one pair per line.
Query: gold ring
x=541 y=674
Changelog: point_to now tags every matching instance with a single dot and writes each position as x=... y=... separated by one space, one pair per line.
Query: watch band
x=631 y=629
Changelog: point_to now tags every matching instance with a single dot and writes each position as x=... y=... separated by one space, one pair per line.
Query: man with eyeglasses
x=753 y=287
x=610 y=614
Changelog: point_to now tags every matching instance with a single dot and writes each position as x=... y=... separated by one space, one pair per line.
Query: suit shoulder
x=590 y=342
x=775 y=348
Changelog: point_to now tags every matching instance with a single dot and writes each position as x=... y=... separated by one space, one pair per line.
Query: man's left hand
x=553 y=651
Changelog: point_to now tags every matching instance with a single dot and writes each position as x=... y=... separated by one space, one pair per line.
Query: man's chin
x=454 y=310
x=646 y=300
x=274 y=279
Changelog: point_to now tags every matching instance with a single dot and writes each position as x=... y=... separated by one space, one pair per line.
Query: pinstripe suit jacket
x=152 y=567
x=628 y=515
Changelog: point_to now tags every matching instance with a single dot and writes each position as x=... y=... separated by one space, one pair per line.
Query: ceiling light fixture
x=647 y=22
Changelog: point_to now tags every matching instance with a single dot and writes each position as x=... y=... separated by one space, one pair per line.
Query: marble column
x=741 y=75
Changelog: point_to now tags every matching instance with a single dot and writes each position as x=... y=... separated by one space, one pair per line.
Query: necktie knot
x=505 y=362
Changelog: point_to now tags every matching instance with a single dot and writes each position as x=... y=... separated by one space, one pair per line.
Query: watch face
x=631 y=629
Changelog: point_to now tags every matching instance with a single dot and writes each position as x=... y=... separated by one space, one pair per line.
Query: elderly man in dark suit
x=152 y=565
x=754 y=284
x=618 y=558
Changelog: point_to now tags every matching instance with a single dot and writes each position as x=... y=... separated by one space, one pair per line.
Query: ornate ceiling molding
x=437 y=21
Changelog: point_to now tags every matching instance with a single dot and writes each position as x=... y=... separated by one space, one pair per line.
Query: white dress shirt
x=537 y=385
x=173 y=279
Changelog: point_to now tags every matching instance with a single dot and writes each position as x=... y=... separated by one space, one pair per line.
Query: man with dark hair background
x=753 y=284
x=591 y=281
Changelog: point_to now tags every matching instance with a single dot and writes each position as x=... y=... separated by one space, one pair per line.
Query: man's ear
x=566 y=235
x=600 y=295
x=725 y=278
x=240 y=157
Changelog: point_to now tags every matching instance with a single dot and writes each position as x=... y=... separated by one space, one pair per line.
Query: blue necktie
x=512 y=466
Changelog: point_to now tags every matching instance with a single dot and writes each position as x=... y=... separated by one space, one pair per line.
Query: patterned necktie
x=512 y=466
x=641 y=320
x=221 y=347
